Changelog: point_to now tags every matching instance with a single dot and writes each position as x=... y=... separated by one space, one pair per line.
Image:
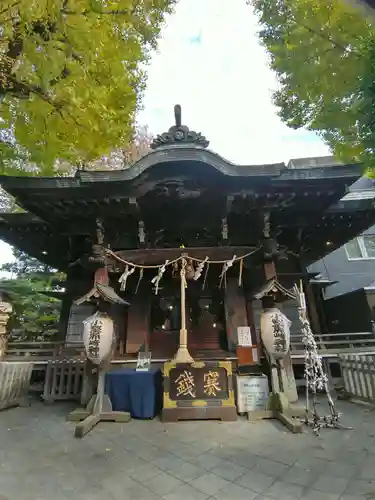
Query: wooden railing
x=331 y=345
x=41 y=352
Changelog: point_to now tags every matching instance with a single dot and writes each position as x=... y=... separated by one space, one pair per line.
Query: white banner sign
x=244 y=336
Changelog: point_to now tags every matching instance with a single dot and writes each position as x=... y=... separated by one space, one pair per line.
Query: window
x=362 y=247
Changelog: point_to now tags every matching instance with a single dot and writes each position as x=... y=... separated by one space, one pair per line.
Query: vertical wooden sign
x=235 y=311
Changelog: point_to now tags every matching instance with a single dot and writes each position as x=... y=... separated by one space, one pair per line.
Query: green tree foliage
x=324 y=56
x=35 y=315
x=71 y=76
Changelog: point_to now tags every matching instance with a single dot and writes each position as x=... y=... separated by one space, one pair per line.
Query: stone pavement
x=149 y=460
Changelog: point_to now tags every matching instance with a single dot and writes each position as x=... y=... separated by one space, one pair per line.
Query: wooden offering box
x=247 y=356
x=198 y=391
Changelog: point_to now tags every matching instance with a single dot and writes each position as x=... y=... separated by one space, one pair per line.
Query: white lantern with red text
x=275 y=332
x=98 y=336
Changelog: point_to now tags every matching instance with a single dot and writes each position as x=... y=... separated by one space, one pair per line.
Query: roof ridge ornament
x=179 y=134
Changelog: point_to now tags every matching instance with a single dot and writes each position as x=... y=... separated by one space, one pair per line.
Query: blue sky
x=209 y=60
x=211 y=63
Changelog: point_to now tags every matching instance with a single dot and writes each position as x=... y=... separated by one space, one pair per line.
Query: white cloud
x=6 y=255
x=223 y=83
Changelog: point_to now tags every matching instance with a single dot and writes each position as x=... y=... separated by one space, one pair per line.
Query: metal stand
x=99 y=409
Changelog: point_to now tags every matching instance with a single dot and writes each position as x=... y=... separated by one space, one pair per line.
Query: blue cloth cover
x=139 y=393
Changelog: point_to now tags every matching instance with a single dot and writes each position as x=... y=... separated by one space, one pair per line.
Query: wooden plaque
x=198 y=391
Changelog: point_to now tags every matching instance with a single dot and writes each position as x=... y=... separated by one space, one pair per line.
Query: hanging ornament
x=226 y=266
x=199 y=269
x=139 y=279
x=175 y=273
x=240 y=274
x=124 y=277
x=156 y=279
x=183 y=273
x=275 y=332
x=205 y=276
x=189 y=270
x=98 y=336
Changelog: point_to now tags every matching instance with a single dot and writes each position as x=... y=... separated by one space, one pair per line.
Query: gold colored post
x=183 y=355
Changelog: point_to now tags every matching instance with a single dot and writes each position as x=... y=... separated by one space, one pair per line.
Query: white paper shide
x=98 y=333
x=275 y=332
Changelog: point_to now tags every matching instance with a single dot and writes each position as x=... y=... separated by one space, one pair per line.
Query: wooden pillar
x=252 y=309
x=64 y=316
x=319 y=300
x=138 y=326
x=118 y=314
x=269 y=268
x=312 y=308
x=288 y=379
x=235 y=311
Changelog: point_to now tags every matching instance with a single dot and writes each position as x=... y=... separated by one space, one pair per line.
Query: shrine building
x=255 y=227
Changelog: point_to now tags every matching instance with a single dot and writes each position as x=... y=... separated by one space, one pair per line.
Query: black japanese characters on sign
x=278 y=334
x=189 y=383
x=94 y=339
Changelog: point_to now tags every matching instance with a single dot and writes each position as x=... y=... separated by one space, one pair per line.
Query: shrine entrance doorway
x=207 y=326
x=205 y=322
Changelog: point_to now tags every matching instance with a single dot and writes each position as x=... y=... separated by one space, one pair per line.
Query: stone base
x=255 y=415
x=279 y=409
x=12 y=403
x=224 y=413
x=14 y=383
x=88 y=419
x=91 y=421
x=183 y=356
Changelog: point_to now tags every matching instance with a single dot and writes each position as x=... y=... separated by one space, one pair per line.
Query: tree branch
x=326 y=37
x=3 y=11
x=32 y=89
x=85 y=12
x=99 y=13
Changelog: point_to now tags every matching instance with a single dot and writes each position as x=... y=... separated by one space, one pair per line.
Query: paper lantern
x=275 y=332
x=98 y=334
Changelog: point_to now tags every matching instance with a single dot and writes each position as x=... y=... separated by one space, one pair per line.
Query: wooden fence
x=358 y=372
x=330 y=347
x=14 y=383
x=39 y=353
x=334 y=344
x=63 y=381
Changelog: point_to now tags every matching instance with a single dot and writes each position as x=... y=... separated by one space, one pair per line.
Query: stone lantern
x=5 y=312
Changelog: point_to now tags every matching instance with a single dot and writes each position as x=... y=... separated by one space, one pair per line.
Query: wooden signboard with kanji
x=198 y=391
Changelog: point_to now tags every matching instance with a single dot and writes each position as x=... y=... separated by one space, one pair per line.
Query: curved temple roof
x=181 y=186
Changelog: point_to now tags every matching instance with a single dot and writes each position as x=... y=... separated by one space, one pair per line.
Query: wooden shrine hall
x=249 y=224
